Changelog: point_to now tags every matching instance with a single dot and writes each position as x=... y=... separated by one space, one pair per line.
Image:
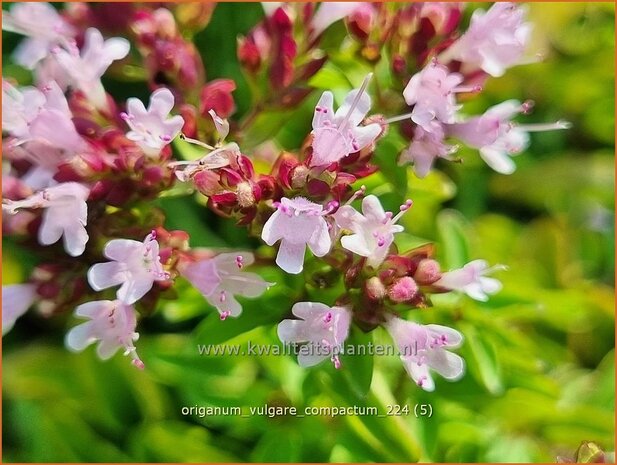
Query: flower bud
x=216 y=95
x=403 y=290
x=374 y=288
x=428 y=271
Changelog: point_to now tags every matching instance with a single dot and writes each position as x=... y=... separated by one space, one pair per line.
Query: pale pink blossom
x=425 y=148
x=134 y=265
x=323 y=329
x=16 y=300
x=42 y=123
x=42 y=25
x=495 y=40
x=336 y=135
x=431 y=92
x=152 y=129
x=497 y=137
x=86 y=67
x=425 y=347
x=221 y=278
x=373 y=229
x=65 y=215
x=297 y=223
x=330 y=12
x=472 y=280
x=19 y=108
x=111 y=324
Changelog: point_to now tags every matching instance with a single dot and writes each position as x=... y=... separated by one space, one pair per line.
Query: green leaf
x=451 y=227
x=482 y=361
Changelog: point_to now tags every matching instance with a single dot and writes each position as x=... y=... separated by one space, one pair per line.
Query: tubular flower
x=323 y=328
x=134 y=265
x=151 y=129
x=424 y=347
x=336 y=135
x=221 y=278
x=297 y=223
x=111 y=324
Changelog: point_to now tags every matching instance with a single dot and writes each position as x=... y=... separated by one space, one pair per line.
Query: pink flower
x=425 y=148
x=497 y=137
x=336 y=135
x=323 y=328
x=495 y=40
x=373 y=229
x=85 y=68
x=297 y=223
x=151 y=129
x=112 y=324
x=135 y=265
x=471 y=280
x=42 y=128
x=431 y=92
x=19 y=108
x=43 y=26
x=221 y=278
x=32 y=115
x=65 y=215
x=423 y=347
x=331 y=12
x=16 y=300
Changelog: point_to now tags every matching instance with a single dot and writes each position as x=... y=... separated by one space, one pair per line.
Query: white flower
x=65 y=215
x=85 y=68
x=151 y=128
x=472 y=280
x=423 y=347
x=373 y=229
x=323 y=328
x=336 y=135
x=43 y=26
x=112 y=324
x=495 y=40
x=135 y=266
x=297 y=223
x=221 y=278
x=16 y=300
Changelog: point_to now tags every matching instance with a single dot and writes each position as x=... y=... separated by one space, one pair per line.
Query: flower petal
x=290 y=257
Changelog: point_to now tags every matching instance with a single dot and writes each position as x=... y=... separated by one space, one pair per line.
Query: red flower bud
x=216 y=95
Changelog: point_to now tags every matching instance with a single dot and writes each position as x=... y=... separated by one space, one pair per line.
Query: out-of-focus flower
x=496 y=137
x=297 y=223
x=151 y=129
x=424 y=347
x=495 y=40
x=373 y=229
x=135 y=266
x=325 y=330
x=216 y=95
x=330 y=12
x=65 y=215
x=16 y=300
x=43 y=26
x=32 y=115
x=112 y=325
x=85 y=68
x=431 y=92
x=221 y=278
x=425 y=148
x=336 y=135
x=472 y=280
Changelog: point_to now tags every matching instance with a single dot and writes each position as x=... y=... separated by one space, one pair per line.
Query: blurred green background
x=540 y=354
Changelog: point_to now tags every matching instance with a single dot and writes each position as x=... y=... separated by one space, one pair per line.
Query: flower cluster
x=85 y=168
